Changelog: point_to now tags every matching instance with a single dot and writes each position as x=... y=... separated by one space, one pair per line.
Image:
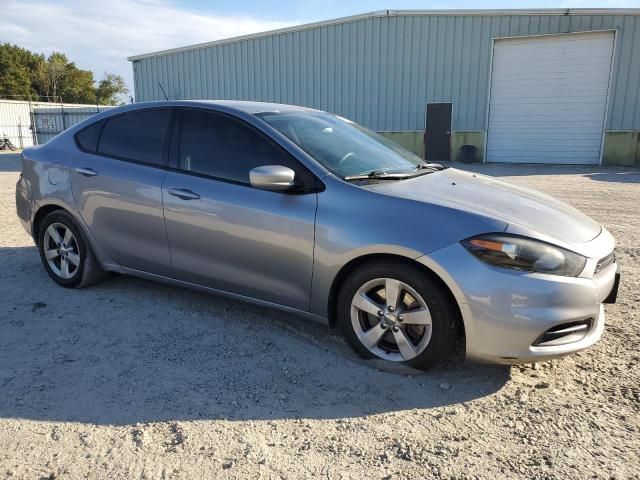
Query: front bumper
x=505 y=311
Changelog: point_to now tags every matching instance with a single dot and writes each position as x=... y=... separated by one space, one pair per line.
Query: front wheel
x=396 y=312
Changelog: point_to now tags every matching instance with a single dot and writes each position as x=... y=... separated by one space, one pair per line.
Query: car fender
x=354 y=222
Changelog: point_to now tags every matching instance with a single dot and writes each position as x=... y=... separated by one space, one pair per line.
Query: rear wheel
x=395 y=312
x=65 y=252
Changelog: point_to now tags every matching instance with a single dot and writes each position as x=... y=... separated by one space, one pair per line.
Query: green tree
x=61 y=80
x=19 y=72
x=77 y=86
x=53 y=74
x=28 y=76
x=14 y=78
x=111 y=90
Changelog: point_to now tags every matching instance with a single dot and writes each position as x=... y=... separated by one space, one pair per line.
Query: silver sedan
x=308 y=212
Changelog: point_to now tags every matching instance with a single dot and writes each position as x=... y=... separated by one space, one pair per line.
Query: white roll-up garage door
x=548 y=98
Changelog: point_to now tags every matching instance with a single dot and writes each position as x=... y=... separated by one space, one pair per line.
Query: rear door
x=226 y=234
x=117 y=183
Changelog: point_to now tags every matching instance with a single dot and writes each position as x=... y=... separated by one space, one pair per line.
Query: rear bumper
x=505 y=312
x=25 y=205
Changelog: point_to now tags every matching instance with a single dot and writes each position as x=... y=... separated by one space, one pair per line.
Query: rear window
x=136 y=136
x=88 y=137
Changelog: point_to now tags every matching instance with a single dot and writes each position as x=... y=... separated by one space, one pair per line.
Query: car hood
x=520 y=207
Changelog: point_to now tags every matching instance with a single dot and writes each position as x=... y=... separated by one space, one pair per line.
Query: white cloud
x=99 y=35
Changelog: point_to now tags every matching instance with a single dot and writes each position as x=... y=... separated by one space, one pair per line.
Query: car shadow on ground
x=601 y=174
x=128 y=351
x=618 y=176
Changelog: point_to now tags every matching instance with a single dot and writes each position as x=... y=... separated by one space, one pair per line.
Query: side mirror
x=272 y=177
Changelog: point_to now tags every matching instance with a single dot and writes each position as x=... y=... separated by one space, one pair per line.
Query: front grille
x=564 y=333
x=604 y=262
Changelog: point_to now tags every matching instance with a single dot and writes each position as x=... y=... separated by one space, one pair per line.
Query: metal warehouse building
x=556 y=86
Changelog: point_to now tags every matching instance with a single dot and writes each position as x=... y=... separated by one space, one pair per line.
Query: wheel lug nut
x=400 y=318
x=395 y=329
x=391 y=309
x=383 y=325
x=380 y=313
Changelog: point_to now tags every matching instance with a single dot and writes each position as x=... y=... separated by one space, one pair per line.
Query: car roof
x=257 y=107
x=237 y=105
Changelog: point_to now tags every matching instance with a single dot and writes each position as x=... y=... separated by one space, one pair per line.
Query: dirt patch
x=131 y=379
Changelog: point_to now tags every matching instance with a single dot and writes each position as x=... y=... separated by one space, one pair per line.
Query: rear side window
x=136 y=136
x=222 y=147
x=88 y=137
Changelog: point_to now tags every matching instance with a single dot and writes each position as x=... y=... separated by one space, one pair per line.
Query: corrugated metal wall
x=381 y=71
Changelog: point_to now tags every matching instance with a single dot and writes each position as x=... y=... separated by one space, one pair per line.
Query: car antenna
x=163 y=92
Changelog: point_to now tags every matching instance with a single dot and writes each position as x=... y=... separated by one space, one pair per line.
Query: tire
x=421 y=300
x=76 y=249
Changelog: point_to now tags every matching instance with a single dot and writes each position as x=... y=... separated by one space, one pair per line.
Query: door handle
x=183 y=193
x=87 y=172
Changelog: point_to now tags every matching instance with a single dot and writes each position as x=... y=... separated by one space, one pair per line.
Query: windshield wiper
x=425 y=168
x=420 y=169
x=431 y=166
x=375 y=174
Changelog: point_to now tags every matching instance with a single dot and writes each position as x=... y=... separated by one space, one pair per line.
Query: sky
x=99 y=35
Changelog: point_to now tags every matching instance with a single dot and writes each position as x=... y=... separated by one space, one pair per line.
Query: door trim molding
x=214 y=291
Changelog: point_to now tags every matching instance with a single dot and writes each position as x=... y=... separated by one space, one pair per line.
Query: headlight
x=525 y=254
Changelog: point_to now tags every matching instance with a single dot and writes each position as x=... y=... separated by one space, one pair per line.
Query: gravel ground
x=131 y=379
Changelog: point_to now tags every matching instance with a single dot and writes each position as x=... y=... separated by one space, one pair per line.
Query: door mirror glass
x=272 y=177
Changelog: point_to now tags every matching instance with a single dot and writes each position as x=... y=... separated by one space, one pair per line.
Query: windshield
x=343 y=147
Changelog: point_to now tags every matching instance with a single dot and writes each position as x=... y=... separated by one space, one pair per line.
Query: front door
x=437 y=138
x=117 y=187
x=226 y=234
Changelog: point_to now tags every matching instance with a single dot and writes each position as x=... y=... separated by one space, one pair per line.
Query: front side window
x=219 y=146
x=136 y=136
x=343 y=147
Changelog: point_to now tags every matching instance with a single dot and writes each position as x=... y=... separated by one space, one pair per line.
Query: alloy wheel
x=61 y=250
x=391 y=319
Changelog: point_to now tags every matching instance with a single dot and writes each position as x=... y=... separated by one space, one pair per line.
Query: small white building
x=34 y=123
